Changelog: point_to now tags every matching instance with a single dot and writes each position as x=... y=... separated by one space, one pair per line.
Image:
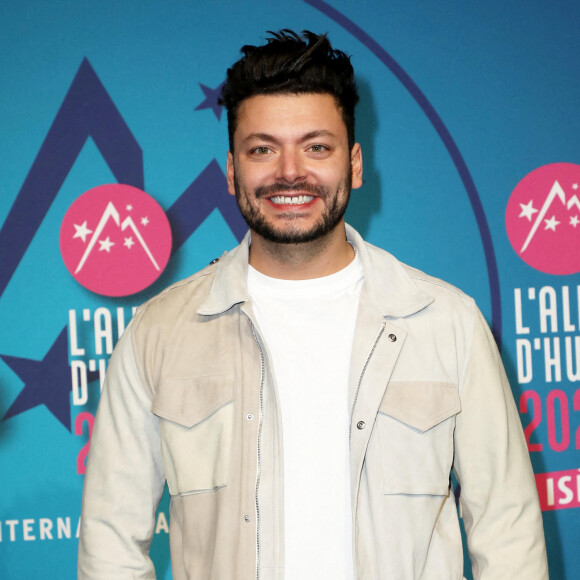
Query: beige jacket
x=189 y=398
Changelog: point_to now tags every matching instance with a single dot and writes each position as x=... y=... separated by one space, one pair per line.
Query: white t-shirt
x=308 y=328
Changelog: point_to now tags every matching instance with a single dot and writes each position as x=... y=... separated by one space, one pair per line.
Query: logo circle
x=543 y=218
x=115 y=240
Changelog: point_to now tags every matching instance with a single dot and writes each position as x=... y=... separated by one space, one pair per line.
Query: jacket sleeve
x=499 y=499
x=124 y=479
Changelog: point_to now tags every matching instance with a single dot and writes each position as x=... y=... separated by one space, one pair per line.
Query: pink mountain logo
x=115 y=240
x=543 y=219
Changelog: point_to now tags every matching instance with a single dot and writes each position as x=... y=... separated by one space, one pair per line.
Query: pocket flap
x=190 y=401
x=421 y=404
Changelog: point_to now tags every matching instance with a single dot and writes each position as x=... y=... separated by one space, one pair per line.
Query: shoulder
x=438 y=288
x=452 y=312
x=175 y=301
x=395 y=275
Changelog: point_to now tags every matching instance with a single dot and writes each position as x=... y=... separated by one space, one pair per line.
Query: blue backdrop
x=459 y=102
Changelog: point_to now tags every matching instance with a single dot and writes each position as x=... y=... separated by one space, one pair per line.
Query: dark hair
x=290 y=64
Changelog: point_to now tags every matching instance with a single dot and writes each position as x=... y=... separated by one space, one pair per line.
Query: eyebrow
x=272 y=139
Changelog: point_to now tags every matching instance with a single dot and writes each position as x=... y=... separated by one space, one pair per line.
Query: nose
x=291 y=167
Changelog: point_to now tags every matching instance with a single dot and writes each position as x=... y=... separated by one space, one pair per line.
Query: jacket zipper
x=361 y=378
x=259 y=455
x=362 y=374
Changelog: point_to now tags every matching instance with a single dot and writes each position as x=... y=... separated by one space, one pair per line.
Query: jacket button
x=214 y=261
x=361 y=425
x=249 y=416
x=247 y=519
x=392 y=337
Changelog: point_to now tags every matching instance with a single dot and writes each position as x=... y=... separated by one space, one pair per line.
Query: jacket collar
x=230 y=284
x=387 y=283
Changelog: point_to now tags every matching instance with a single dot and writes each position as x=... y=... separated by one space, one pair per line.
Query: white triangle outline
x=111 y=212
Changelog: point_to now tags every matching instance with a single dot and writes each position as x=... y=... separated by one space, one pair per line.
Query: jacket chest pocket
x=195 y=421
x=415 y=425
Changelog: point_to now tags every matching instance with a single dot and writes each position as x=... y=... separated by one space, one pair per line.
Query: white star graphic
x=575 y=186
x=574 y=220
x=129 y=207
x=551 y=223
x=82 y=231
x=145 y=220
x=528 y=210
x=129 y=242
x=106 y=245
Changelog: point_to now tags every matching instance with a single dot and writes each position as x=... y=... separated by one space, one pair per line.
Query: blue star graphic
x=46 y=382
x=211 y=100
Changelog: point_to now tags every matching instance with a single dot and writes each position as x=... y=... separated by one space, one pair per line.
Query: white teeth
x=295 y=200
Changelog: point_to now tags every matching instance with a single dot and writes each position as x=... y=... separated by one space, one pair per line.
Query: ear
x=230 y=173
x=356 y=165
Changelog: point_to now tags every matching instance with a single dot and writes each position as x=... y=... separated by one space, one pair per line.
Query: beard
x=334 y=210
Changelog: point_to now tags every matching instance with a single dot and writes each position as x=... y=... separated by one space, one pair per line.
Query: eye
x=318 y=148
x=261 y=150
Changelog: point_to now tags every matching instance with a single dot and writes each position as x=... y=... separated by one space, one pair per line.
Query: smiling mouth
x=291 y=200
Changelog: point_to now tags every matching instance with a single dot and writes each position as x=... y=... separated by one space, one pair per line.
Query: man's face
x=291 y=170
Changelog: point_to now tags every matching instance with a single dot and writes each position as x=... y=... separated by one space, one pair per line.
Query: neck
x=315 y=259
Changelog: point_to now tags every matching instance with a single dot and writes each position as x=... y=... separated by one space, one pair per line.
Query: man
x=307 y=396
